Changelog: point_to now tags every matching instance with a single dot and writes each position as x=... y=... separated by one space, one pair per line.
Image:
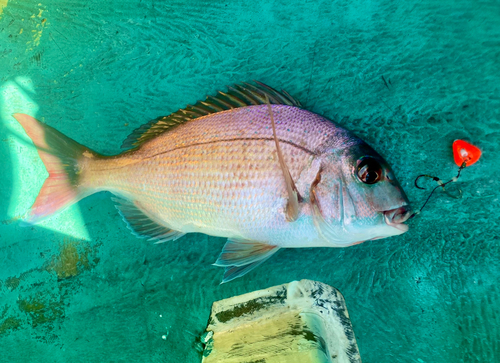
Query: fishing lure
x=464 y=154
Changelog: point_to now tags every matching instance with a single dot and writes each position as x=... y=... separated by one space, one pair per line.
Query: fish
x=249 y=164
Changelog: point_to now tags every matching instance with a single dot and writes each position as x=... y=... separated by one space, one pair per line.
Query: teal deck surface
x=81 y=288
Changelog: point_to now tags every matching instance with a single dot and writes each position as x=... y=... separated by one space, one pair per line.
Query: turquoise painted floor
x=81 y=288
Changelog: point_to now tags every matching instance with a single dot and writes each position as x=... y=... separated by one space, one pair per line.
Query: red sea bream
x=249 y=165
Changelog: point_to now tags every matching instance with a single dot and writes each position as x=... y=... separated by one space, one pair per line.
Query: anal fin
x=240 y=256
x=143 y=225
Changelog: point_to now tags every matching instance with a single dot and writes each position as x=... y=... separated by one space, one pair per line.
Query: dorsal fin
x=238 y=96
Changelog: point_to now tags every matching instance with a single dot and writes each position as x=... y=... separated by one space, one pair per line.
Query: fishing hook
x=440 y=184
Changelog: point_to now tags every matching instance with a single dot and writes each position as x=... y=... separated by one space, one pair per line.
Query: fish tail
x=62 y=158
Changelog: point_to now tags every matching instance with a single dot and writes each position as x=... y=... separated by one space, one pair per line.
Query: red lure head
x=465 y=152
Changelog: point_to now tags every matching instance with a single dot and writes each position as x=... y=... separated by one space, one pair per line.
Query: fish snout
x=396 y=217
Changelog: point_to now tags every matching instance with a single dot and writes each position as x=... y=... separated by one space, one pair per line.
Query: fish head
x=371 y=202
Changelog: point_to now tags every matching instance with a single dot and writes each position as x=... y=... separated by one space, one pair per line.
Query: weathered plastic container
x=300 y=322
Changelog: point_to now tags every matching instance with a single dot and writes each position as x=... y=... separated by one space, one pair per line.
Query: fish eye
x=369 y=170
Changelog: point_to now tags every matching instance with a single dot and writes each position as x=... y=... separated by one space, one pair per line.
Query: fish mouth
x=396 y=217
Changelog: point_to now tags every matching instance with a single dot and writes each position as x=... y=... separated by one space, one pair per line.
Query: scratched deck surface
x=81 y=288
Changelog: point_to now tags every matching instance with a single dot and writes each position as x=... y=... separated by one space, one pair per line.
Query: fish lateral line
x=310 y=152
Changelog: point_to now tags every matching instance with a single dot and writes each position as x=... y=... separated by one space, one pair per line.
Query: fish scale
x=190 y=175
x=245 y=201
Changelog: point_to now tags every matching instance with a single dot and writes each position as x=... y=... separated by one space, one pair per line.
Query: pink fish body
x=215 y=168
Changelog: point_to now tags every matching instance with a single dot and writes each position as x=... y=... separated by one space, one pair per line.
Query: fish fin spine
x=238 y=96
x=60 y=156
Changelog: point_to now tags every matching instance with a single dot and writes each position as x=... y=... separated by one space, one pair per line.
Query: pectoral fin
x=292 y=207
x=241 y=256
